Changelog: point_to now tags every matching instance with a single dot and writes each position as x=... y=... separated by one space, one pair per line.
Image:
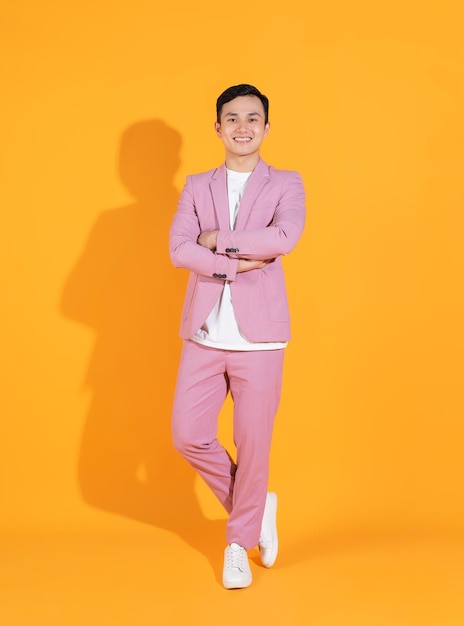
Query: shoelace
x=236 y=556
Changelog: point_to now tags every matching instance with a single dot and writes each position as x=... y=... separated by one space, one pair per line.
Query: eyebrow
x=252 y=113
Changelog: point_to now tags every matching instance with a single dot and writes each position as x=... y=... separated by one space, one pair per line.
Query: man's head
x=241 y=90
x=242 y=125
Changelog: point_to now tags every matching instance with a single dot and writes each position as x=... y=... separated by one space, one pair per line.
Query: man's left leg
x=255 y=380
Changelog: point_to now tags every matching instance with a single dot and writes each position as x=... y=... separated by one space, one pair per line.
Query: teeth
x=242 y=139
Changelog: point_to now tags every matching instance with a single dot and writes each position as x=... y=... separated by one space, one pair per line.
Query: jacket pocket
x=275 y=295
x=189 y=295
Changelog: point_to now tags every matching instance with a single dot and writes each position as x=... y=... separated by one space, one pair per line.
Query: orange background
x=106 y=108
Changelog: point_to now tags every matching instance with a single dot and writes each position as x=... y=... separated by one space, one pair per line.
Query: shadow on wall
x=125 y=288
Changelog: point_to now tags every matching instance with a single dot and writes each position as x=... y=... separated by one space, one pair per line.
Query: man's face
x=242 y=128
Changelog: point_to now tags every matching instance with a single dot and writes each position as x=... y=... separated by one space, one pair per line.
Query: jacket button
x=215 y=275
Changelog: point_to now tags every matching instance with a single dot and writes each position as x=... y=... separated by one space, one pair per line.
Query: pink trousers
x=254 y=380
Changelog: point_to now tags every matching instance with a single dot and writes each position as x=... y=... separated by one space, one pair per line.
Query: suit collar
x=218 y=185
x=261 y=169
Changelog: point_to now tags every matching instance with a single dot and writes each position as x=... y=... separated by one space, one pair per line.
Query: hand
x=245 y=265
x=208 y=239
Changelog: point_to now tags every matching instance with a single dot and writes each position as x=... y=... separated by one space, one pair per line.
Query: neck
x=242 y=164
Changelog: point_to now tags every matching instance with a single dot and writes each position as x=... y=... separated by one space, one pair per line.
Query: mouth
x=242 y=139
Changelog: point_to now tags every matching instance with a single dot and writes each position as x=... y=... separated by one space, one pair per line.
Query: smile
x=242 y=139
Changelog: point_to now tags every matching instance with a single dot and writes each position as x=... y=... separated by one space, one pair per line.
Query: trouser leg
x=202 y=386
x=255 y=380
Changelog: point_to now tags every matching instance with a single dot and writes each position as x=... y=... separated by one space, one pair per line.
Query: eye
x=253 y=119
x=232 y=119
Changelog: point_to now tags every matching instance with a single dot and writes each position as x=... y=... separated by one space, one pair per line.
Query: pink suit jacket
x=269 y=223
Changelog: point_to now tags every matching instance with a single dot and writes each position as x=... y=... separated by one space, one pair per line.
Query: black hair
x=241 y=90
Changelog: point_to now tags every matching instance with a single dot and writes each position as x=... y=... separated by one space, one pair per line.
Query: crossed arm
x=208 y=239
x=225 y=253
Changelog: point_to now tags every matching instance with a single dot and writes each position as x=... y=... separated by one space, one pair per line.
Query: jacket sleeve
x=183 y=247
x=280 y=237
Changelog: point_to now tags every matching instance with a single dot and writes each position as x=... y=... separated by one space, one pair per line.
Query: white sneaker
x=236 y=573
x=268 y=540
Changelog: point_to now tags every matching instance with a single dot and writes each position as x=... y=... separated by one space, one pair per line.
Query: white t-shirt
x=221 y=329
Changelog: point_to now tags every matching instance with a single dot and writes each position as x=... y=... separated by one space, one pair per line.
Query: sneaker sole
x=237 y=585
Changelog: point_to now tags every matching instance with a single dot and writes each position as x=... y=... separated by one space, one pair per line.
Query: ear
x=267 y=128
x=217 y=128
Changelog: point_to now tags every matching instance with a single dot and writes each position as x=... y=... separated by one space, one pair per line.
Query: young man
x=231 y=229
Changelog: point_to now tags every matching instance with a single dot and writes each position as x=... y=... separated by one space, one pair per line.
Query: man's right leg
x=200 y=393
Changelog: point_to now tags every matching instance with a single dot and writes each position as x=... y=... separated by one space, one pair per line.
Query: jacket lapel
x=258 y=179
x=218 y=187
